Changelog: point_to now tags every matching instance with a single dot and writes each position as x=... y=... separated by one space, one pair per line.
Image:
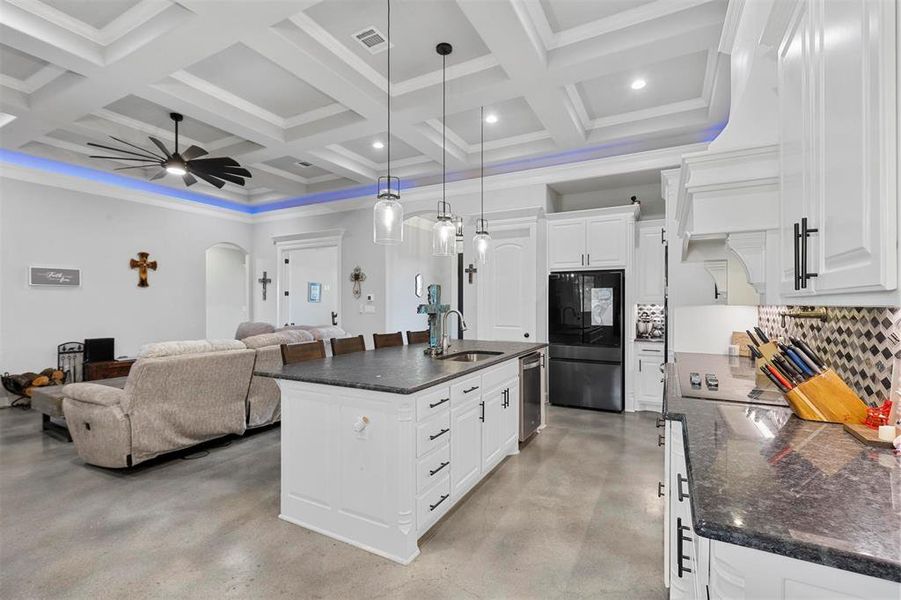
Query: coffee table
x=48 y=401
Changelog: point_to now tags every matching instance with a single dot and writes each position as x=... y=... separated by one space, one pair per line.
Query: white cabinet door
x=650 y=380
x=650 y=265
x=510 y=434
x=566 y=244
x=507 y=288
x=492 y=427
x=857 y=203
x=606 y=243
x=466 y=447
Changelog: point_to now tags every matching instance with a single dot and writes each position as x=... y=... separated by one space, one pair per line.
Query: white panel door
x=856 y=201
x=492 y=428
x=606 y=243
x=507 y=289
x=566 y=245
x=466 y=447
x=650 y=265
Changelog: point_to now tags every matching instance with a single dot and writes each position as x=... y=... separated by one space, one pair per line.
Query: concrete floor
x=575 y=515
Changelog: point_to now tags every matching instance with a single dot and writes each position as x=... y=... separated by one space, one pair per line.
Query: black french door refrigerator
x=585 y=335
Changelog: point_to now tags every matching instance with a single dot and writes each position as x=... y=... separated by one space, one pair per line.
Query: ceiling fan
x=215 y=171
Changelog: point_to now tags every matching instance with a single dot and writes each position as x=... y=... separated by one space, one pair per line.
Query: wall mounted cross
x=264 y=280
x=142 y=264
x=470 y=270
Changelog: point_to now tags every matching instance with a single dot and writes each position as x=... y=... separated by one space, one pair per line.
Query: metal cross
x=142 y=264
x=470 y=270
x=265 y=280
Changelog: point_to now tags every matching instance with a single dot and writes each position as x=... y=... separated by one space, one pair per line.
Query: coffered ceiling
x=286 y=88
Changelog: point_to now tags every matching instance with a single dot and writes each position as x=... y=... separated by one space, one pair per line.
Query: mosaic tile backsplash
x=860 y=344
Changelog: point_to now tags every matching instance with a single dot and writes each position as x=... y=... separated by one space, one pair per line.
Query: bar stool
x=348 y=345
x=387 y=340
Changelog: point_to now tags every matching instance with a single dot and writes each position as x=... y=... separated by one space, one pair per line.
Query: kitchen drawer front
x=432 y=468
x=466 y=389
x=431 y=505
x=433 y=433
x=496 y=376
x=432 y=402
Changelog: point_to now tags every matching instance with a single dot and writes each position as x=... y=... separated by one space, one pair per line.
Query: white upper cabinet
x=649 y=271
x=838 y=112
x=590 y=239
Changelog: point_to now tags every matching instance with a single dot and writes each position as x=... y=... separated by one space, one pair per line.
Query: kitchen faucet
x=445 y=338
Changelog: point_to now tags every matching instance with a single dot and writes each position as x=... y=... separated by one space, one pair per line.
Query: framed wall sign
x=54 y=276
x=314 y=292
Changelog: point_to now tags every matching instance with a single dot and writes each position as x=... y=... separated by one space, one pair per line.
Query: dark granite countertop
x=399 y=370
x=760 y=477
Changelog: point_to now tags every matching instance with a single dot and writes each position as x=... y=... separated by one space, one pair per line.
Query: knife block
x=827 y=398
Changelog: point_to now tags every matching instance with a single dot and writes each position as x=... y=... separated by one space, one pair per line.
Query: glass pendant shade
x=388 y=213
x=443 y=237
x=481 y=242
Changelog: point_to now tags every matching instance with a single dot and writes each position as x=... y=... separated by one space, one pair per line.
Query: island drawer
x=432 y=468
x=466 y=389
x=431 y=505
x=495 y=376
x=433 y=433
x=432 y=402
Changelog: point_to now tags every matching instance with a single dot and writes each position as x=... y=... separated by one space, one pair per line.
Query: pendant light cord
x=443 y=133
x=389 y=95
x=482 y=169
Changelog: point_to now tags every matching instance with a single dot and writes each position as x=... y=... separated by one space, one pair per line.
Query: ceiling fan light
x=174 y=167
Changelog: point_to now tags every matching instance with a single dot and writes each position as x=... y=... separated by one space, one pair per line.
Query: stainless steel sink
x=470 y=356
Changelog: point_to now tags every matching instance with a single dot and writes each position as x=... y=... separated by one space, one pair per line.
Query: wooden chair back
x=295 y=353
x=418 y=337
x=387 y=340
x=348 y=345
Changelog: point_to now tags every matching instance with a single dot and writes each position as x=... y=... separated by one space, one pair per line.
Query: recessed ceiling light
x=378 y=145
x=638 y=84
x=491 y=118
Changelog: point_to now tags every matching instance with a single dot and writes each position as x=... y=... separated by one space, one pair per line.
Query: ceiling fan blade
x=228 y=177
x=210 y=179
x=188 y=179
x=240 y=171
x=146 y=154
x=161 y=146
x=144 y=150
x=193 y=152
x=158 y=175
x=151 y=161
x=237 y=171
x=135 y=167
x=219 y=161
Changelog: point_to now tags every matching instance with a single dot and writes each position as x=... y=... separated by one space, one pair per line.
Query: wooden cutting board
x=741 y=339
x=868 y=436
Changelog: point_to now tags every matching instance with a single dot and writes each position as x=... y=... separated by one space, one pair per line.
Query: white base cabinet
x=702 y=569
x=648 y=376
x=377 y=470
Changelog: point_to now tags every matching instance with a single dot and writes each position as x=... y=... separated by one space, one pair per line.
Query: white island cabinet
x=378 y=469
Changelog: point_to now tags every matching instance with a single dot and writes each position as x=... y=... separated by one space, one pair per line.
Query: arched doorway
x=227 y=290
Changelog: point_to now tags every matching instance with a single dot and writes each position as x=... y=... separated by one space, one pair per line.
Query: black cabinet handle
x=797 y=257
x=660 y=439
x=588 y=260
x=660 y=489
x=583 y=260
x=659 y=422
x=439 y=403
x=472 y=389
x=679 y=481
x=526 y=335
x=433 y=471
x=443 y=498
x=805 y=234
x=482 y=416
x=439 y=434
x=680 y=541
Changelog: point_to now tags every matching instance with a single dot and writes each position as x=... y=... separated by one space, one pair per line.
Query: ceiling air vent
x=371 y=39
x=304 y=164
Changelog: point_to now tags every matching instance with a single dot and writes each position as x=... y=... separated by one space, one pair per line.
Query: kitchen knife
x=753 y=339
x=775 y=381
x=809 y=351
x=798 y=362
x=763 y=337
x=810 y=362
x=780 y=375
x=754 y=351
x=796 y=375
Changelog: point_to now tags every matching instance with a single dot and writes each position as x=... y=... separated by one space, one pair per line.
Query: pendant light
x=444 y=232
x=482 y=240
x=388 y=213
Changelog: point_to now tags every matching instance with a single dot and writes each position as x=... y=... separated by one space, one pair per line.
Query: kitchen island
x=763 y=504
x=376 y=446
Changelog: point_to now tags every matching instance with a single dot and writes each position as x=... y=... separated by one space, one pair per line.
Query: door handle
x=334 y=318
x=660 y=439
x=526 y=335
x=482 y=415
x=583 y=259
x=680 y=542
x=588 y=259
x=660 y=489
x=797 y=256
x=805 y=234
x=679 y=481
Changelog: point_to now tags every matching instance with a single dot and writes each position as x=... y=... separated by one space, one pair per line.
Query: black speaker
x=99 y=349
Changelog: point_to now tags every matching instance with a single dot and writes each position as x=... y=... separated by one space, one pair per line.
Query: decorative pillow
x=277 y=338
x=249 y=328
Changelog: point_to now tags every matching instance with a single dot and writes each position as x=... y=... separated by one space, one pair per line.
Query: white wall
x=53 y=226
x=652 y=205
x=404 y=262
x=226 y=290
x=709 y=328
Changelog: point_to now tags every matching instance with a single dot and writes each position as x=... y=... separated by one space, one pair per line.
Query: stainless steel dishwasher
x=529 y=395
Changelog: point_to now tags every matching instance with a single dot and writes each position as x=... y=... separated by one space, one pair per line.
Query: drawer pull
x=434 y=506
x=439 y=434
x=659 y=422
x=660 y=440
x=680 y=541
x=660 y=489
x=433 y=471
x=482 y=415
x=439 y=403
x=679 y=480
x=472 y=389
